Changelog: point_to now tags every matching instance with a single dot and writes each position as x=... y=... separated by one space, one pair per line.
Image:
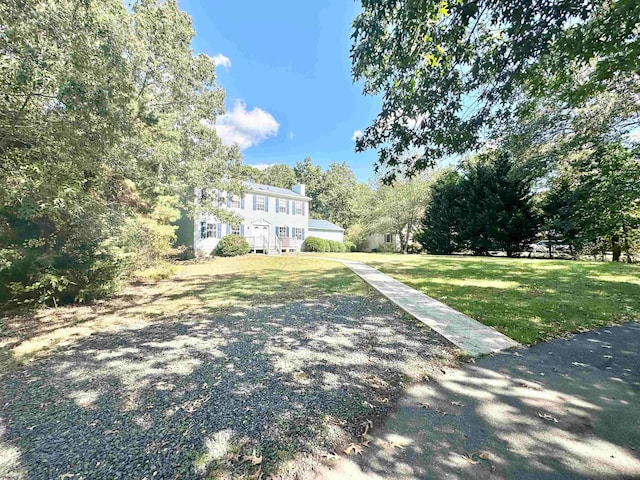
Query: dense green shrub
x=387 y=248
x=315 y=244
x=232 y=246
x=335 y=246
x=349 y=246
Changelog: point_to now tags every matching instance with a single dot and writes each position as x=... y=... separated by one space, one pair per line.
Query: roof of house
x=258 y=187
x=315 y=224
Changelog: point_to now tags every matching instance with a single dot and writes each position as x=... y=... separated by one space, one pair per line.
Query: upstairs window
x=235 y=202
x=260 y=201
x=298 y=207
x=282 y=206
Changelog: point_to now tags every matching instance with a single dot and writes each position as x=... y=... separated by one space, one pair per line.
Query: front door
x=261 y=234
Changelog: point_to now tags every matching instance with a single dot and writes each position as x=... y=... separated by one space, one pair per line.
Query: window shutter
x=242 y=230
x=303 y=234
x=228 y=200
x=288 y=203
x=219 y=230
x=266 y=203
x=228 y=228
x=255 y=200
x=242 y=203
x=302 y=208
x=293 y=207
x=288 y=232
x=277 y=205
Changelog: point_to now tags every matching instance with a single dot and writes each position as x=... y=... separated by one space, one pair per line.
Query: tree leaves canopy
x=449 y=72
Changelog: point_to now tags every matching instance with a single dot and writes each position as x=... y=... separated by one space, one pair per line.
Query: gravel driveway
x=265 y=390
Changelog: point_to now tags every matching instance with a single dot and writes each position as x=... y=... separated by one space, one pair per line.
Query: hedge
x=315 y=244
x=337 y=247
x=232 y=246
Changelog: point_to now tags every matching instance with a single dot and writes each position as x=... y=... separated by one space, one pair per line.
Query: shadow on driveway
x=569 y=408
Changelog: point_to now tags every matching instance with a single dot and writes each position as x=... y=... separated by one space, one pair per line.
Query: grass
x=530 y=300
x=196 y=286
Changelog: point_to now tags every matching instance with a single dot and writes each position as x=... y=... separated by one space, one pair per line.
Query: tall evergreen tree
x=497 y=206
x=439 y=233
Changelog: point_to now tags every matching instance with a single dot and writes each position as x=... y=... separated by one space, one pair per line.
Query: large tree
x=399 y=208
x=105 y=127
x=439 y=232
x=498 y=211
x=450 y=72
x=280 y=175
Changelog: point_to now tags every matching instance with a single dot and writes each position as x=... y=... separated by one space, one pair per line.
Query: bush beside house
x=232 y=246
x=315 y=244
x=349 y=246
x=335 y=246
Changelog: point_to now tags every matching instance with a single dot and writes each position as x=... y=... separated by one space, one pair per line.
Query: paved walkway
x=463 y=331
x=566 y=409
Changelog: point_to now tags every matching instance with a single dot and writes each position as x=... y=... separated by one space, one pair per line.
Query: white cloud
x=262 y=166
x=246 y=127
x=356 y=135
x=220 y=59
x=291 y=135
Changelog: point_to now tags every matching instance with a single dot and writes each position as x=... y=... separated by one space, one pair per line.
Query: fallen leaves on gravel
x=354 y=449
x=253 y=459
x=457 y=404
x=330 y=456
x=392 y=445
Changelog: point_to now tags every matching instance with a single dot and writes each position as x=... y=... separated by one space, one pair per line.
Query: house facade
x=325 y=229
x=273 y=220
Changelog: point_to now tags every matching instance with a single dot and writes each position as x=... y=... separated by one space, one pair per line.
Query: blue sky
x=285 y=67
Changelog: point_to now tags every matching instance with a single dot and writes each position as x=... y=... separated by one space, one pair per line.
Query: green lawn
x=197 y=288
x=529 y=300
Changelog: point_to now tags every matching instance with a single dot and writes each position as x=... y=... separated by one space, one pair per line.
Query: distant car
x=543 y=247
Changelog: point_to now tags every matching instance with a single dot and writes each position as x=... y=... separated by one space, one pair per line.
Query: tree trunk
x=616 y=248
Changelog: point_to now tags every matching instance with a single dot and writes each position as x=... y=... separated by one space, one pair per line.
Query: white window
x=235 y=230
x=298 y=207
x=282 y=206
x=235 y=202
x=208 y=230
x=388 y=238
x=282 y=232
x=260 y=203
x=297 y=232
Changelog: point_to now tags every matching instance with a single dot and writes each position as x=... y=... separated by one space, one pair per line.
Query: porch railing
x=261 y=242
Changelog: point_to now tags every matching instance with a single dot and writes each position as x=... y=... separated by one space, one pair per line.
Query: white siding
x=270 y=216
x=377 y=240
x=327 y=234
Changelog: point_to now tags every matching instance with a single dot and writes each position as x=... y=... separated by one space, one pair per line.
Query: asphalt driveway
x=569 y=408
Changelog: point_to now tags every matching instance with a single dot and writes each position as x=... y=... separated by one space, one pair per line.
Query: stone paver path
x=463 y=331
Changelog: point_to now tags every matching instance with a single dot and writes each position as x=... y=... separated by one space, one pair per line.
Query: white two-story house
x=273 y=220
